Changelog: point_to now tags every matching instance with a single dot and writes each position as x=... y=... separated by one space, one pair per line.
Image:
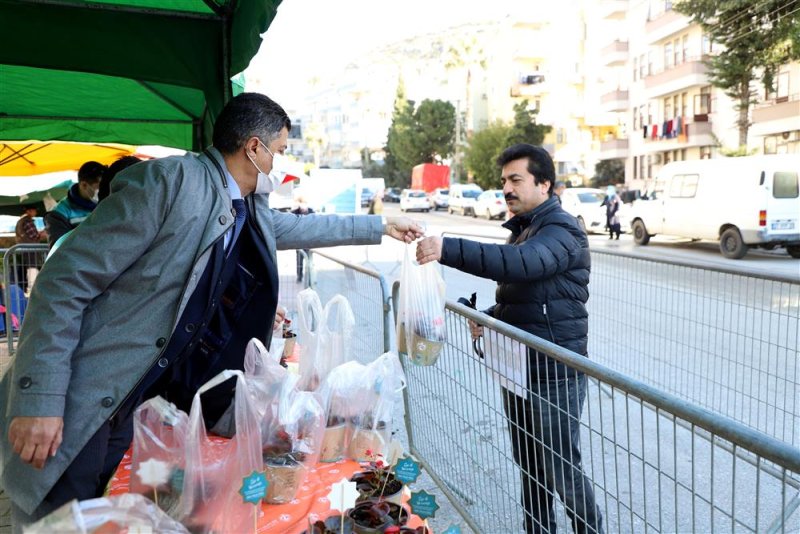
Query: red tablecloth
x=291 y=518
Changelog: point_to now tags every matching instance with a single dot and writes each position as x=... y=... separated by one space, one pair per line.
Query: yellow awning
x=26 y=158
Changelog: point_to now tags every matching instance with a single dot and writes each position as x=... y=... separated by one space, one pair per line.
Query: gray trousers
x=545 y=437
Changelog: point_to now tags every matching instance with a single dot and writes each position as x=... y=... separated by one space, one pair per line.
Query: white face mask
x=267 y=183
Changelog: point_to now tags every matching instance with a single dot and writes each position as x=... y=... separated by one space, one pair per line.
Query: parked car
x=585 y=204
x=440 y=199
x=366 y=196
x=392 y=194
x=462 y=198
x=491 y=204
x=414 y=200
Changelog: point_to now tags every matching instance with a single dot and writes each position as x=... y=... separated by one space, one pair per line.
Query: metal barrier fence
x=368 y=295
x=21 y=264
x=723 y=340
x=653 y=461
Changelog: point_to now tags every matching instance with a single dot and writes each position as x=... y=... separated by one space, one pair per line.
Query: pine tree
x=756 y=38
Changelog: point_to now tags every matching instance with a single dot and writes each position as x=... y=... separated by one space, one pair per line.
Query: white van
x=742 y=202
x=462 y=198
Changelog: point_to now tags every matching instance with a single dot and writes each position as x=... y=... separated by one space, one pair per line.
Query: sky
x=312 y=37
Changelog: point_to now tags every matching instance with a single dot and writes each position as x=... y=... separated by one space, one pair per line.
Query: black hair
x=105 y=182
x=245 y=116
x=91 y=172
x=540 y=164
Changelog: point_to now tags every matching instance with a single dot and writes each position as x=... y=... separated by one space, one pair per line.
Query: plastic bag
x=340 y=390
x=420 y=318
x=290 y=440
x=325 y=337
x=107 y=515
x=215 y=468
x=379 y=397
x=310 y=320
x=157 y=465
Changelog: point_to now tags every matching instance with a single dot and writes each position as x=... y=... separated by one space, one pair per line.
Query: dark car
x=366 y=197
x=392 y=194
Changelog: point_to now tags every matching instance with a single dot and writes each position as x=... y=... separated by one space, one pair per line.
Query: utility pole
x=454 y=171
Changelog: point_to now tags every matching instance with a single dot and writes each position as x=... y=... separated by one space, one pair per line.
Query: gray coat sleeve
x=320 y=230
x=117 y=233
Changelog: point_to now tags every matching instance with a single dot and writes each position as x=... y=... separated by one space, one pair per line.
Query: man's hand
x=429 y=249
x=35 y=439
x=280 y=317
x=403 y=229
x=475 y=329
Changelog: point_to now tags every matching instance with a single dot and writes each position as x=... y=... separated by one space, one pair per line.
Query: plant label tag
x=254 y=487
x=407 y=471
x=423 y=504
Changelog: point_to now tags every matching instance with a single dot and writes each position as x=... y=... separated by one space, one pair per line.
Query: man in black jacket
x=542 y=276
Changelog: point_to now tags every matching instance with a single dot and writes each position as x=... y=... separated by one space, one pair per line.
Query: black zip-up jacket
x=542 y=277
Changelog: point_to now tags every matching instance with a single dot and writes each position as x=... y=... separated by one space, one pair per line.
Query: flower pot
x=331 y=525
x=333 y=441
x=285 y=475
x=365 y=521
x=288 y=345
x=393 y=492
x=367 y=439
x=425 y=351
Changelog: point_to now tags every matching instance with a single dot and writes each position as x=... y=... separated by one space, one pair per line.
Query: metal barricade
x=723 y=340
x=21 y=264
x=368 y=294
x=653 y=462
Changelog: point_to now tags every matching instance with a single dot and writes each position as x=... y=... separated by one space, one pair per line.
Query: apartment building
x=655 y=82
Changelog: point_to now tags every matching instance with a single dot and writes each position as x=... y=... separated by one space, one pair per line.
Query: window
x=641 y=116
x=649 y=113
x=705 y=45
x=650 y=63
x=560 y=136
x=635 y=167
x=705 y=152
x=685 y=48
x=666 y=157
x=785 y=185
x=635 y=67
x=649 y=166
x=641 y=168
x=683 y=186
x=683 y=154
x=676 y=52
x=782 y=87
x=668 y=56
x=641 y=66
x=684 y=104
x=667 y=108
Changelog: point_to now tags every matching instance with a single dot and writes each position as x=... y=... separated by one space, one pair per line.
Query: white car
x=414 y=199
x=585 y=204
x=440 y=198
x=491 y=204
x=462 y=198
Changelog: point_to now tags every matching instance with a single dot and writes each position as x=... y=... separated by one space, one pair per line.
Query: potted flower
x=369 y=434
x=283 y=467
x=375 y=516
x=378 y=482
x=333 y=441
x=394 y=529
x=331 y=525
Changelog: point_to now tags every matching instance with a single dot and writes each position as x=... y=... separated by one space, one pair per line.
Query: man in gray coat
x=158 y=290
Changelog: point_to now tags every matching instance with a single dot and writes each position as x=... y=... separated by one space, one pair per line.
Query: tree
x=424 y=135
x=468 y=55
x=756 y=39
x=483 y=151
x=524 y=128
x=608 y=172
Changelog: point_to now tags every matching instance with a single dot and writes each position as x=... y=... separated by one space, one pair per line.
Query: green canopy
x=140 y=72
x=12 y=205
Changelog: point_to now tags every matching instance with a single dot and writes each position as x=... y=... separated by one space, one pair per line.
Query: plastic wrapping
x=380 y=394
x=291 y=440
x=107 y=515
x=159 y=434
x=341 y=390
x=337 y=335
x=215 y=469
x=309 y=329
x=420 y=319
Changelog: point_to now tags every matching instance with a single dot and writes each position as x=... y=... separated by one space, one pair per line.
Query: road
x=757 y=261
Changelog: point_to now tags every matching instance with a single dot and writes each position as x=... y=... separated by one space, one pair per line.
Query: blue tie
x=240 y=213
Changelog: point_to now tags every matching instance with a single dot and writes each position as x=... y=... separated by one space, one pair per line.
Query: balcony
x=690 y=73
x=616 y=100
x=613 y=9
x=698 y=133
x=665 y=25
x=615 y=54
x=613 y=149
x=776 y=116
x=536 y=88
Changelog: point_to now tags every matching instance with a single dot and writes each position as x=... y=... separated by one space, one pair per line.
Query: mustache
x=511 y=196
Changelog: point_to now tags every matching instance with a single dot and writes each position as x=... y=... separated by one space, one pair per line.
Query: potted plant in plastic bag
x=370 y=433
x=333 y=440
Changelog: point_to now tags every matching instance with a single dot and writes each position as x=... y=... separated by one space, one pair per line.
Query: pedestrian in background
x=81 y=200
x=559 y=188
x=302 y=209
x=612 y=203
x=542 y=276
